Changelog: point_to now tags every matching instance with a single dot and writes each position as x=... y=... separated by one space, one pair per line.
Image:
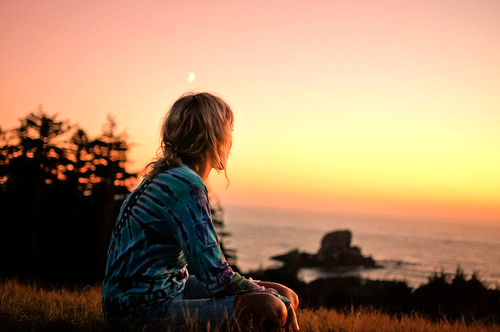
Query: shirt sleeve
x=200 y=245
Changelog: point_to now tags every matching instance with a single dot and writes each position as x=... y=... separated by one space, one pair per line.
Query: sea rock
x=335 y=252
x=333 y=244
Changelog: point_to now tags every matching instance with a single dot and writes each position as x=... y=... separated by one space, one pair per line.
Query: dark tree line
x=60 y=192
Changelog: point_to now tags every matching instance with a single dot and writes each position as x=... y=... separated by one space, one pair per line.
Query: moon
x=191 y=77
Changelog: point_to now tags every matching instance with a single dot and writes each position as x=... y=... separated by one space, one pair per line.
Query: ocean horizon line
x=395 y=216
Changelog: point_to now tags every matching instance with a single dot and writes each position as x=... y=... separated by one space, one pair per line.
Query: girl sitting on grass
x=165 y=263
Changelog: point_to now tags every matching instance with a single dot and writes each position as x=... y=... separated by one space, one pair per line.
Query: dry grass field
x=31 y=308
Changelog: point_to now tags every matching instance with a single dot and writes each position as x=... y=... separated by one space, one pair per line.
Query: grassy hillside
x=31 y=308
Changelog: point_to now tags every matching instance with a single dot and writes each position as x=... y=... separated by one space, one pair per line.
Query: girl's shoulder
x=179 y=179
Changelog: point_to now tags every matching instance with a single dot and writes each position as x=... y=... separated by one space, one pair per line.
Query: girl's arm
x=200 y=244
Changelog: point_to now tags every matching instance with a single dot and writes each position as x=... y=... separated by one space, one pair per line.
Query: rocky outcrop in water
x=335 y=252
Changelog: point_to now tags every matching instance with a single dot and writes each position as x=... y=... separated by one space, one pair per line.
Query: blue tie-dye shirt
x=163 y=230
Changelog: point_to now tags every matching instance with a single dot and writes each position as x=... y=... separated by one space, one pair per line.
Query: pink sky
x=363 y=106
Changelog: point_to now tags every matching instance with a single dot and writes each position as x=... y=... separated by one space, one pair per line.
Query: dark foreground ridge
x=453 y=297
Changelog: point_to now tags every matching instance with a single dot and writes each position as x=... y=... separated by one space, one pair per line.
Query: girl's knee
x=261 y=308
x=279 y=309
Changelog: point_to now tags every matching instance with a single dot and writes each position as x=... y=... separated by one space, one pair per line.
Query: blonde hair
x=195 y=130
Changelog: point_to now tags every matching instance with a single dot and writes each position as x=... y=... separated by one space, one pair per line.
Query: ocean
x=408 y=248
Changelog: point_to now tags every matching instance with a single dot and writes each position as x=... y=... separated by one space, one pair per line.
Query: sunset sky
x=387 y=106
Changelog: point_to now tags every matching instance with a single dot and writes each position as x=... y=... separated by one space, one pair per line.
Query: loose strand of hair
x=161 y=164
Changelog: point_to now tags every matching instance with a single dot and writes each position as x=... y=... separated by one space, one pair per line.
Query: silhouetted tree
x=60 y=192
x=109 y=178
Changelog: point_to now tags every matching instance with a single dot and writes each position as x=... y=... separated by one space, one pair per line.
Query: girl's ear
x=204 y=166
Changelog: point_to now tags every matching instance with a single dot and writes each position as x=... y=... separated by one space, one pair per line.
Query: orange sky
x=365 y=106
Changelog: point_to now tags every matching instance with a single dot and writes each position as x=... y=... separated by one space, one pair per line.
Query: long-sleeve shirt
x=163 y=230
